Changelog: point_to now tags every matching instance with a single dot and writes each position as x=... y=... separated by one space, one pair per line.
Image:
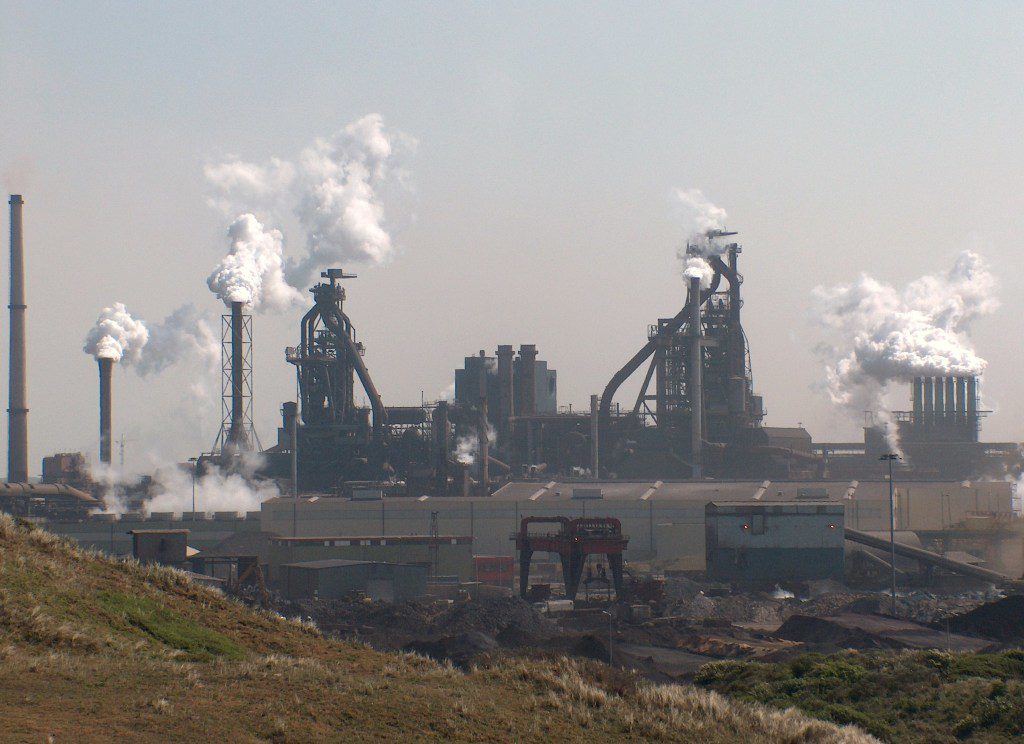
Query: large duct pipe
x=236 y=434
x=17 y=406
x=929 y=401
x=505 y=393
x=940 y=402
x=696 y=382
x=106 y=408
x=918 y=399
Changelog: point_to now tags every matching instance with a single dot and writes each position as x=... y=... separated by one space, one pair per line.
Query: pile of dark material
x=457 y=632
x=825 y=635
x=1002 y=620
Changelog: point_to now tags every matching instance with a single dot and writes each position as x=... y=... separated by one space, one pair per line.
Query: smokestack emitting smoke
x=880 y=334
x=17 y=410
x=253 y=270
x=106 y=365
x=236 y=434
x=700 y=217
x=335 y=191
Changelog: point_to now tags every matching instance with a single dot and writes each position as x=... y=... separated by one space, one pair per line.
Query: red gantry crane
x=573 y=542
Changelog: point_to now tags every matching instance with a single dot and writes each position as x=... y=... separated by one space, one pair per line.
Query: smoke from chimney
x=336 y=191
x=880 y=334
x=253 y=270
x=700 y=218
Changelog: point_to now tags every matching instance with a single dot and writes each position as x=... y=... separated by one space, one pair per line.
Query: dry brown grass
x=75 y=671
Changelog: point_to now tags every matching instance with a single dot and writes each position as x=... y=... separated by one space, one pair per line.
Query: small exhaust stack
x=918 y=399
x=929 y=401
x=696 y=383
x=961 y=399
x=940 y=399
x=17 y=410
x=950 y=400
x=106 y=408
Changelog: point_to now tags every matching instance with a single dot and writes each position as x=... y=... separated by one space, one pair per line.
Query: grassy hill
x=912 y=696
x=93 y=649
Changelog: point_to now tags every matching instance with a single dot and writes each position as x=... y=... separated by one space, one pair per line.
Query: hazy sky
x=840 y=137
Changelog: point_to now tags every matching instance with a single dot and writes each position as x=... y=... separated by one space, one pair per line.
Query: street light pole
x=891 y=457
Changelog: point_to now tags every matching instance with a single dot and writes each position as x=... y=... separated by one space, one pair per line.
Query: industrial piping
x=106 y=366
x=17 y=410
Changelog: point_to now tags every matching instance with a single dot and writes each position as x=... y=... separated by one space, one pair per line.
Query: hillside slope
x=95 y=649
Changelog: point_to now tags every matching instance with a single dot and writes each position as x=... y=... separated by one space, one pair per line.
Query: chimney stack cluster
x=945 y=400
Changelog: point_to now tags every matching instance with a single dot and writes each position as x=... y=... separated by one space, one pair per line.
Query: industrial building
x=752 y=542
x=337 y=578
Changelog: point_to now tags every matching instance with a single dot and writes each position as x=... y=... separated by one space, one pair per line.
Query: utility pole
x=891 y=457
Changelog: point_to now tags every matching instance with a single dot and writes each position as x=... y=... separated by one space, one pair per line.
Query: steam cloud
x=127 y=340
x=699 y=217
x=467 y=447
x=117 y=335
x=336 y=193
x=215 y=491
x=888 y=334
x=253 y=270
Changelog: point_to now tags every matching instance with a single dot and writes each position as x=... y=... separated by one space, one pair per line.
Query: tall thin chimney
x=505 y=393
x=696 y=383
x=236 y=434
x=940 y=403
x=482 y=427
x=106 y=408
x=17 y=410
x=595 y=449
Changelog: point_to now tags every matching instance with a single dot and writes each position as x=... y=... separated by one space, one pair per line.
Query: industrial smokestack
x=482 y=431
x=236 y=434
x=505 y=393
x=929 y=401
x=17 y=410
x=950 y=400
x=696 y=382
x=528 y=392
x=940 y=402
x=595 y=449
x=918 y=399
x=106 y=365
x=961 y=398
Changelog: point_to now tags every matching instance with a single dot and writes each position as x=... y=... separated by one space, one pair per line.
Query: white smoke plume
x=253 y=269
x=881 y=334
x=335 y=191
x=699 y=217
x=215 y=491
x=117 y=335
x=467 y=447
x=184 y=334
